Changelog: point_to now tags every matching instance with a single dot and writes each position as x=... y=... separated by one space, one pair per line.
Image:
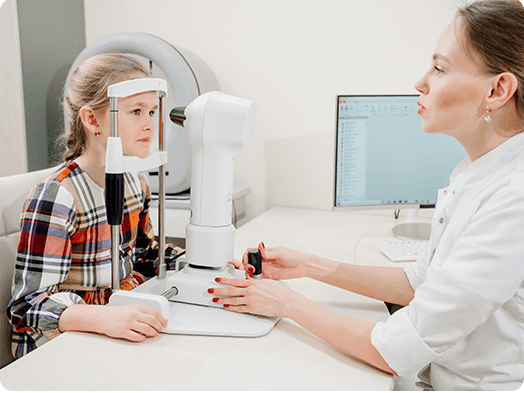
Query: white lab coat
x=466 y=321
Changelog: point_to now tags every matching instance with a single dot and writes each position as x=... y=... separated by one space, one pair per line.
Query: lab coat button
x=441 y=220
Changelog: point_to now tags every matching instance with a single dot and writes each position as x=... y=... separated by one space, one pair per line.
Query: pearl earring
x=488 y=117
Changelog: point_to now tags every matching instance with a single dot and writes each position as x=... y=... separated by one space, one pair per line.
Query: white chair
x=13 y=193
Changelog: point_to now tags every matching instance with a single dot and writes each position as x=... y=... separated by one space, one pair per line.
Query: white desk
x=288 y=358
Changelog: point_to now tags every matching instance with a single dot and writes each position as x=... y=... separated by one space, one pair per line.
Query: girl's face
x=453 y=91
x=136 y=123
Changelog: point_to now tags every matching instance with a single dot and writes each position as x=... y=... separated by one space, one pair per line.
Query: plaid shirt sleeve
x=43 y=261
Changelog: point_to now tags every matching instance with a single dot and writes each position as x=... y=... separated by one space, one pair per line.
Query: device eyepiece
x=177 y=115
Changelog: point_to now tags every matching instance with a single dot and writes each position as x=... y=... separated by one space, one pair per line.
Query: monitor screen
x=384 y=159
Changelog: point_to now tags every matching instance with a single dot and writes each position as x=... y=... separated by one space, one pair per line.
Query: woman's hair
x=88 y=87
x=494 y=32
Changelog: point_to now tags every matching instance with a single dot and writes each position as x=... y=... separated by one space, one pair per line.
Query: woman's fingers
x=236 y=263
x=241 y=309
x=233 y=293
x=245 y=258
x=234 y=282
x=231 y=300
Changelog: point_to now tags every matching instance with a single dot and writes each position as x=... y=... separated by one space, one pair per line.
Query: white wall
x=292 y=58
x=13 y=150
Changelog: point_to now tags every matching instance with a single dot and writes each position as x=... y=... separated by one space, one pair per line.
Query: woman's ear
x=503 y=87
x=89 y=120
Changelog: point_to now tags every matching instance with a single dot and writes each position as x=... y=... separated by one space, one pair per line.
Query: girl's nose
x=149 y=123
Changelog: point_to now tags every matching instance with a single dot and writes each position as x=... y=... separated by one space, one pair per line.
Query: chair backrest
x=13 y=193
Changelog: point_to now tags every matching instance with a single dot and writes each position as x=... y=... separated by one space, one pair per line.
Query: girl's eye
x=438 y=69
x=136 y=112
x=152 y=113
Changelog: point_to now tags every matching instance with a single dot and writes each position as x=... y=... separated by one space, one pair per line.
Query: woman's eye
x=136 y=112
x=152 y=113
x=438 y=69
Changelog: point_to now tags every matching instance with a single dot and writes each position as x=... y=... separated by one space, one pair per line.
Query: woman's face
x=453 y=91
x=136 y=125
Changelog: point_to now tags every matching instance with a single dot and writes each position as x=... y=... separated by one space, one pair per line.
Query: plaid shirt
x=64 y=251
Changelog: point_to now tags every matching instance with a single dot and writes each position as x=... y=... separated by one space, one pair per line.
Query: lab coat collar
x=468 y=172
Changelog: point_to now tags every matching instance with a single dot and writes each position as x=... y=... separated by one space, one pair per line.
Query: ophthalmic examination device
x=217 y=125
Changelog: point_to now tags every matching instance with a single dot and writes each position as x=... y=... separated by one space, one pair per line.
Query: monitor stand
x=412 y=230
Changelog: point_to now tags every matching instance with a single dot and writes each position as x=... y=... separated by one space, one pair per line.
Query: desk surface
x=288 y=358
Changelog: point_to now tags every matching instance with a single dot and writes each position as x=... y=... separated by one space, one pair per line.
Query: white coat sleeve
x=482 y=271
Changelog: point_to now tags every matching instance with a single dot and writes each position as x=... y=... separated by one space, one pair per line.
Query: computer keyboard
x=403 y=251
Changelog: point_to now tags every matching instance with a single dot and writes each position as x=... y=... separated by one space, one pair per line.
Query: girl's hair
x=494 y=32
x=88 y=87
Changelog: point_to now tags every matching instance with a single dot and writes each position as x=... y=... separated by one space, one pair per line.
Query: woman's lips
x=422 y=108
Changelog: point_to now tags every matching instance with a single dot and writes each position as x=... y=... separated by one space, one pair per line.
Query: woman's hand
x=133 y=322
x=262 y=297
x=237 y=264
x=278 y=263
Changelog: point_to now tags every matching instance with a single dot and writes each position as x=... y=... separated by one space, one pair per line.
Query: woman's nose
x=421 y=85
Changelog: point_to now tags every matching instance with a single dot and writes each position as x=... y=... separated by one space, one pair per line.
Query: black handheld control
x=255 y=259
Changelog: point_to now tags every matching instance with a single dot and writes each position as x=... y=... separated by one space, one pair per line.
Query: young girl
x=463 y=324
x=63 y=271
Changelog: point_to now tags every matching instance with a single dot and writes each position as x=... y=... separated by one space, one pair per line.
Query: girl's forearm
x=80 y=318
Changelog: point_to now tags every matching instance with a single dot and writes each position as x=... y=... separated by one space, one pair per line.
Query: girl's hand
x=278 y=263
x=133 y=322
x=262 y=297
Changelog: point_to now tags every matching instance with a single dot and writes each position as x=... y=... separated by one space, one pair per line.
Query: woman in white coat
x=463 y=324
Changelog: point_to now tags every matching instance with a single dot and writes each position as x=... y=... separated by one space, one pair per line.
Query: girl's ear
x=89 y=120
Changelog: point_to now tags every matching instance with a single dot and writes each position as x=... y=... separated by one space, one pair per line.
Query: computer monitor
x=385 y=160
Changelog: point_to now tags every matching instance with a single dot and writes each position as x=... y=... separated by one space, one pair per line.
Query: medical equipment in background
x=187 y=77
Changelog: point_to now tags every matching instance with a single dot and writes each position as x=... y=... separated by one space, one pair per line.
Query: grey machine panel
x=187 y=76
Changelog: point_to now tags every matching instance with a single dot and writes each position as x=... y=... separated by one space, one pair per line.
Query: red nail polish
x=262 y=244
x=217 y=279
x=215 y=299
x=210 y=290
